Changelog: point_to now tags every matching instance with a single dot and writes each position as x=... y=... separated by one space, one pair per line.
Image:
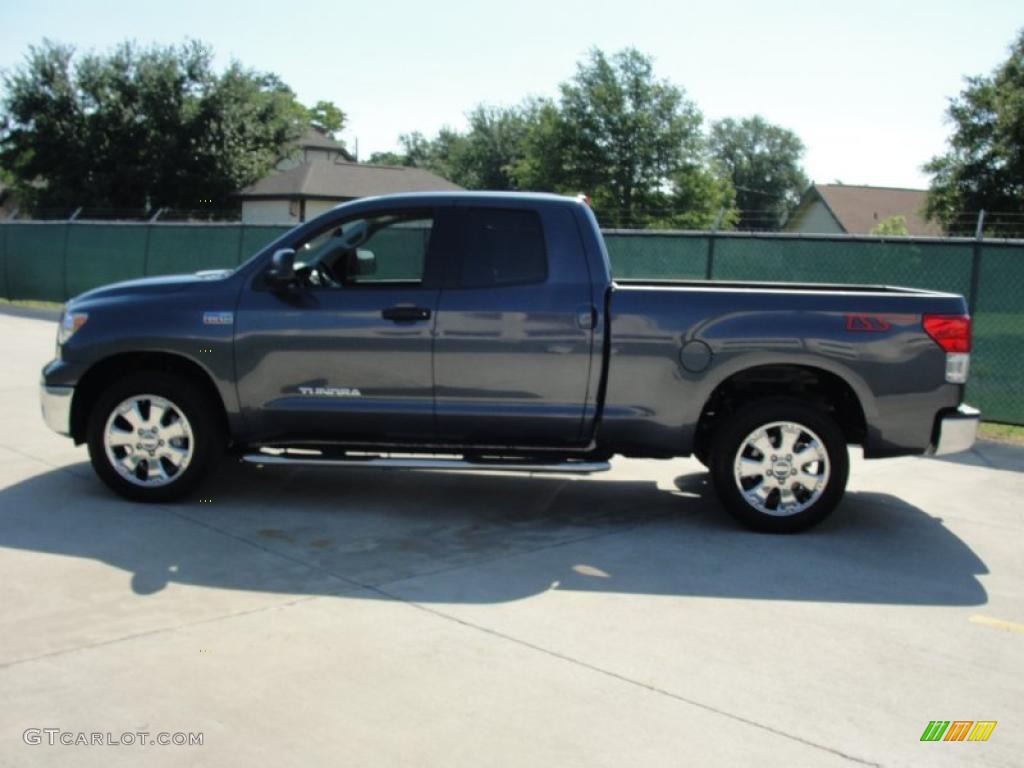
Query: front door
x=345 y=355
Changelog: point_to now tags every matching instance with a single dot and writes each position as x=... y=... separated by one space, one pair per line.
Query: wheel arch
x=819 y=386
x=103 y=372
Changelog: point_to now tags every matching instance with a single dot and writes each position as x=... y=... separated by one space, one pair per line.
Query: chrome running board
x=310 y=459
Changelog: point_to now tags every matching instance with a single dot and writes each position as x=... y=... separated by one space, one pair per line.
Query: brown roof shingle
x=859 y=209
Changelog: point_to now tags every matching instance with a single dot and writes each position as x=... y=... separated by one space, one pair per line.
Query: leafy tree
x=539 y=165
x=326 y=116
x=984 y=167
x=482 y=158
x=140 y=127
x=891 y=225
x=701 y=198
x=763 y=162
x=486 y=157
x=625 y=133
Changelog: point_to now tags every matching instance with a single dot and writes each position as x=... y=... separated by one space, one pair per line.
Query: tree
x=624 y=134
x=326 y=116
x=491 y=149
x=482 y=158
x=891 y=225
x=763 y=162
x=539 y=165
x=140 y=128
x=701 y=198
x=984 y=167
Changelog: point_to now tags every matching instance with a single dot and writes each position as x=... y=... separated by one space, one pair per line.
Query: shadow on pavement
x=473 y=538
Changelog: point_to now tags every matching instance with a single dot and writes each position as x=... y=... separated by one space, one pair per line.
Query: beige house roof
x=342 y=180
x=859 y=209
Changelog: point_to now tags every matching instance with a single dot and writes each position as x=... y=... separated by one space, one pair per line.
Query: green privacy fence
x=52 y=261
x=55 y=260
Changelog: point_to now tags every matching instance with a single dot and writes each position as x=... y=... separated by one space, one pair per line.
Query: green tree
x=624 y=134
x=984 y=167
x=701 y=198
x=326 y=116
x=540 y=166
x=763 y=163
x=140 y=127
x=490 y=150
x=891 y=225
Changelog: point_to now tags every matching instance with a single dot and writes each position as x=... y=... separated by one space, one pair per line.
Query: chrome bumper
x=957 y=431
x=56 y=403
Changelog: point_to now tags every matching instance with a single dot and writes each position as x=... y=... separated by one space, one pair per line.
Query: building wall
x=816 y=218
x=315 y=207
x=268 y=212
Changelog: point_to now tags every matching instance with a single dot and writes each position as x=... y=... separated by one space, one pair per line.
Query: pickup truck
x=485 y=331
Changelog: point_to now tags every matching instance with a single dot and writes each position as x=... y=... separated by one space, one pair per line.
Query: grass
x=1001 y=433
x=31 y=304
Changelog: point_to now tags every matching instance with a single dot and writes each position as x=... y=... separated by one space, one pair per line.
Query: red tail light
x=951 y=332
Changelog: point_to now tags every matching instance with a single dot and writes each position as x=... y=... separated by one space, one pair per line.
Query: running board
x=381 y=462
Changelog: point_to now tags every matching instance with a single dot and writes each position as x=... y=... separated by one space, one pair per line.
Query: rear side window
x=502 y=247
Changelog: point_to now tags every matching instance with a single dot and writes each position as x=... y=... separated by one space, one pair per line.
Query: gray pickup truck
x=485 y=331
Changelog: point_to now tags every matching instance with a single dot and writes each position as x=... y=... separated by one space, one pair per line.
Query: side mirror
x=361 y=263
x=282 y=269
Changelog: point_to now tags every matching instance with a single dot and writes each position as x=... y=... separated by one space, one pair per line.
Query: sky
x=865 y=85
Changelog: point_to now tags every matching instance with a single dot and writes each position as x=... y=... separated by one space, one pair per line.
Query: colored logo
x=958 y=730
x=867 y=323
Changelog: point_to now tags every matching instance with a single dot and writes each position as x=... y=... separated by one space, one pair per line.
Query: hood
x=152 y=286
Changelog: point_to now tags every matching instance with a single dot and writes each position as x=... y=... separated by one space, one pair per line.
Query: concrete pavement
x=309 y=617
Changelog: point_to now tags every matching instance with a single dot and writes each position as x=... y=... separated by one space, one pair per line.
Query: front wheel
x=780 y=466
x=152 y=436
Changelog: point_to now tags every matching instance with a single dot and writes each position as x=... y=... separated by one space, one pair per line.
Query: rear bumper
x=56 y=404
x=955 y=431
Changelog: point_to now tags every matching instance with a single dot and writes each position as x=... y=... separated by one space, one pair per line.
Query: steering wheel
x=323 y=275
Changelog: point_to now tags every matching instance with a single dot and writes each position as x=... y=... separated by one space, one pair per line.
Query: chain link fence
x=52 y=261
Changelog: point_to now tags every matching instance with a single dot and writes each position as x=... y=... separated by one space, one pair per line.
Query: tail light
x=953 y=334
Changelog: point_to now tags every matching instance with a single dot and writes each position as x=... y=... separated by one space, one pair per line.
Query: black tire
x=731 y=436
x=207 y=434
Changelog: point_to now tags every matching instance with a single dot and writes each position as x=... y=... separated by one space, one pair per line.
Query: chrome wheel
x=781 y=468
x=148 y=440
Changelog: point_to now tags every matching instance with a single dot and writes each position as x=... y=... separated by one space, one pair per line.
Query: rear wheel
x=779 y=466
x=152 y=436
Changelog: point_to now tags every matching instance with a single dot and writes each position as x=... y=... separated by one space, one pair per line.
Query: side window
x=502 y=247
x=376 y=250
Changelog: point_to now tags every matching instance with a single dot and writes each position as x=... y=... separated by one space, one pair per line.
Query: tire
x=772 y=490
x=174 y=450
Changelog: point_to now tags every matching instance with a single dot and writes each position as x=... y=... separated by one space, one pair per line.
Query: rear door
x=513 y=337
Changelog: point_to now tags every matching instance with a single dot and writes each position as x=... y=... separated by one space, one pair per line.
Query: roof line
x=869 y=186
x=831 y=213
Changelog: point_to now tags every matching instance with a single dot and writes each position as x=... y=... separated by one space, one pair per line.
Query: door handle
x=405 y=313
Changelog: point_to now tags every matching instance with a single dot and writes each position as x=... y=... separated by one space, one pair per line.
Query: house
x=856 y=210
x=319 y=175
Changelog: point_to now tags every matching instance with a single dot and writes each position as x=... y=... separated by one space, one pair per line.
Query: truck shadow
x=435 y=536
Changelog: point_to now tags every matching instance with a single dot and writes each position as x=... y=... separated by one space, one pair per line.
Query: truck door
x=346 y=355
x=513 y=338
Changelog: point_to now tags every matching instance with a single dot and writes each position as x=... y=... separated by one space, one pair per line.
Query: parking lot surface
x=363 y=617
